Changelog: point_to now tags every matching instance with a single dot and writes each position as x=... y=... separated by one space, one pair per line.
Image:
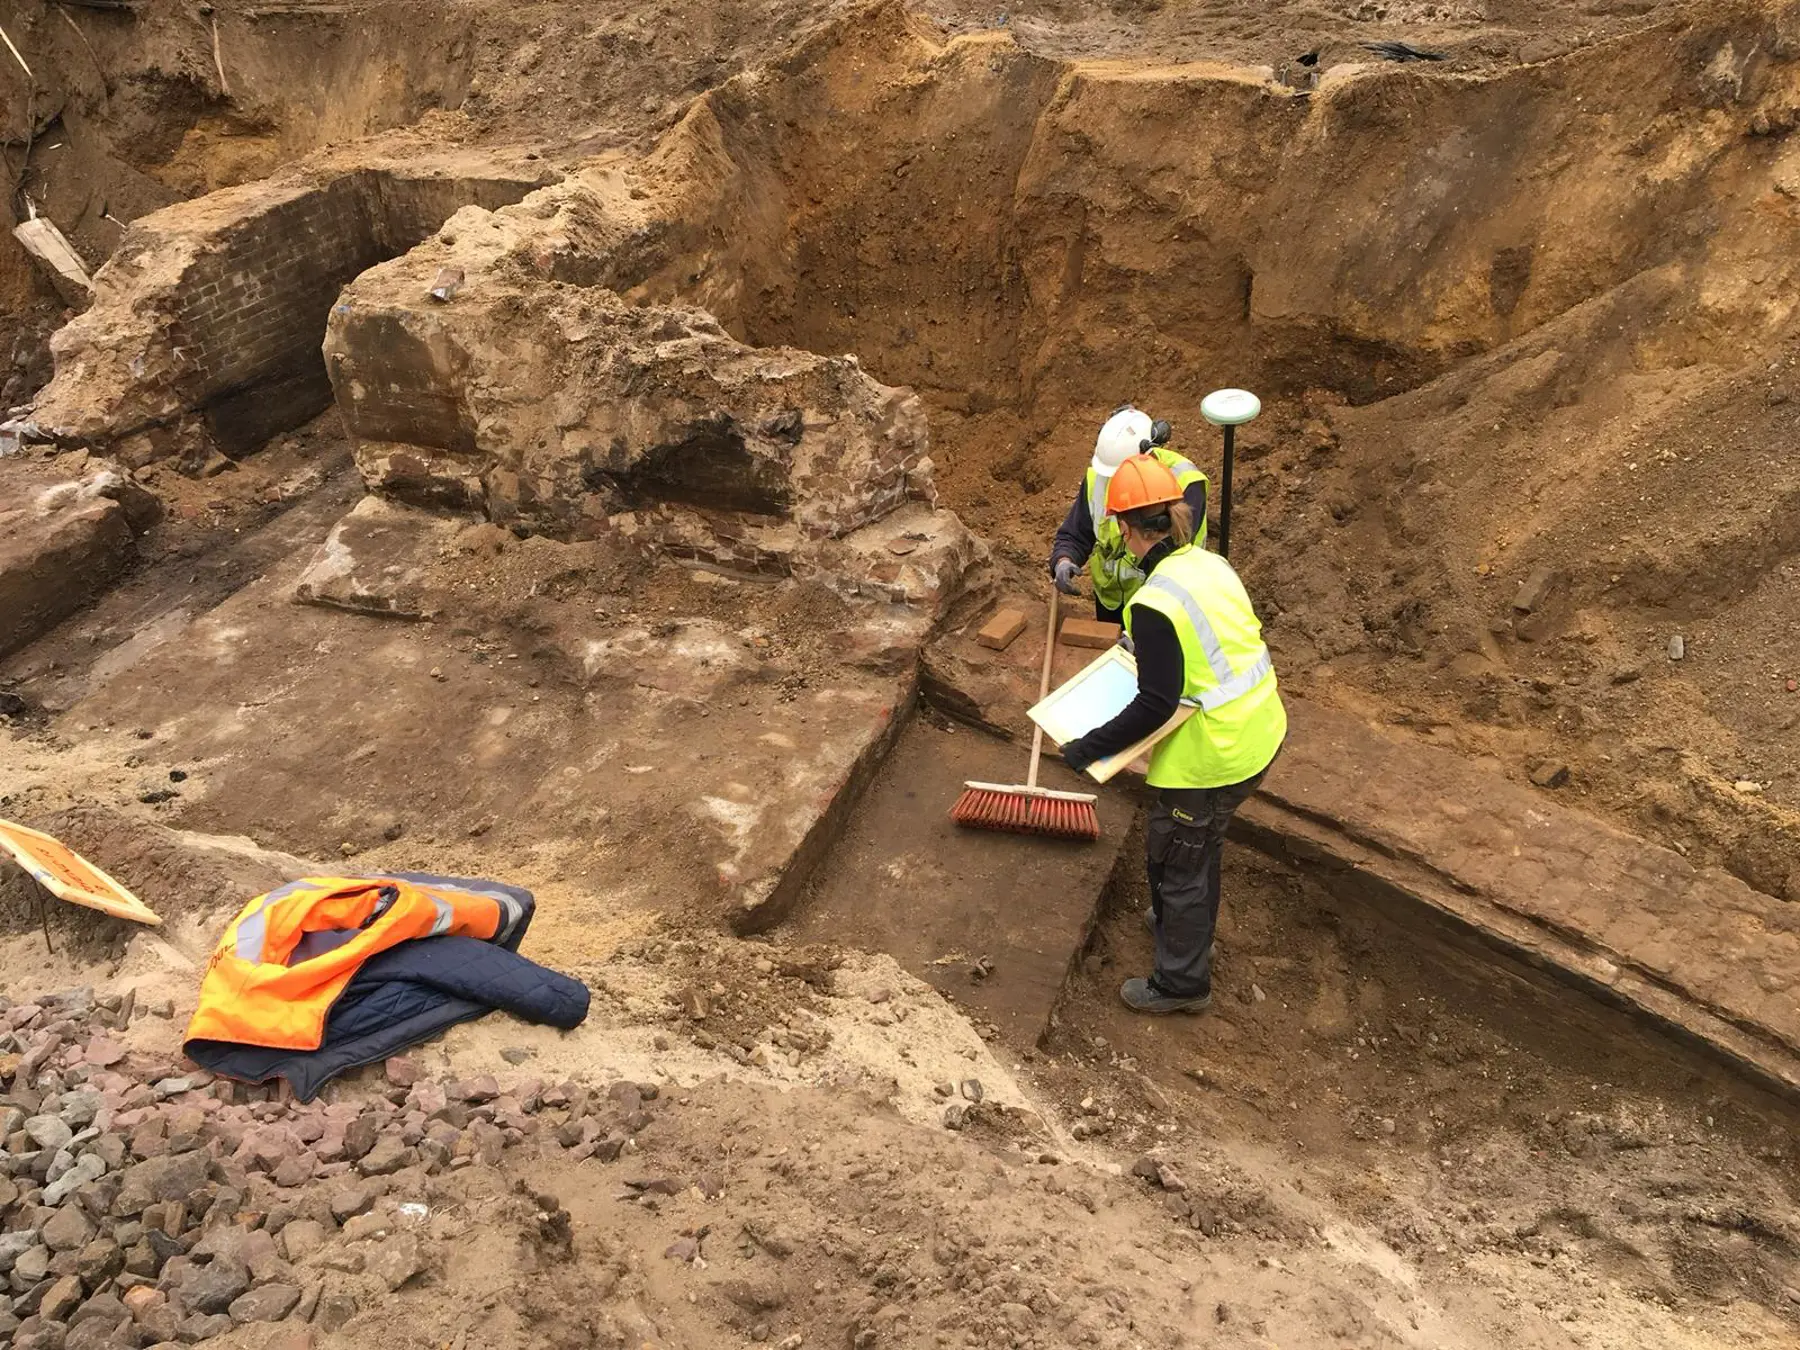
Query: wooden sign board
x=1099 y=692
x=68 y=876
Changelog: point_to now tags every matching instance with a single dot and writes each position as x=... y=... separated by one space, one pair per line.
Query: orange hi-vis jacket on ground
x=286 y=959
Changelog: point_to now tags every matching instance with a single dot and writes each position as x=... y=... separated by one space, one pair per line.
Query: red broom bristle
x=1022 y=813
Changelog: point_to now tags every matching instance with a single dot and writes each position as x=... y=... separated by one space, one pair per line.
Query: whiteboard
x=1097 y=694
x=1100 y=692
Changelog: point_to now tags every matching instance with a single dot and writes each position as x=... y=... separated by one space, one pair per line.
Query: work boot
x=1144 y=997
x=1212 y=952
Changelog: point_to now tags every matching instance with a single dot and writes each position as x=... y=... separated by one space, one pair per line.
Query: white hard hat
x=1122 y=437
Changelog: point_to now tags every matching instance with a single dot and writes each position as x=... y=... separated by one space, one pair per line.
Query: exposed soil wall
x=131 y=109
x=1565 y=260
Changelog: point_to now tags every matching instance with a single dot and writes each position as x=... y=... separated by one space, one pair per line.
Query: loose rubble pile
x=147 y=1205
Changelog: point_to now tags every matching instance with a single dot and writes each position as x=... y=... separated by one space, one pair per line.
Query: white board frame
x=1061 y=716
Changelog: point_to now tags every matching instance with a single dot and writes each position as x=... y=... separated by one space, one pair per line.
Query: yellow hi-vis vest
x=1116 y=573
x=1230 y=678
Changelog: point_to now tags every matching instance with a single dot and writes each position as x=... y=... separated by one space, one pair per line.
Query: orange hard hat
x=1142 y=480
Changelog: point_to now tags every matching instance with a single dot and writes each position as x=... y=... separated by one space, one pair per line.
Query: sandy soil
x=1383 y=1140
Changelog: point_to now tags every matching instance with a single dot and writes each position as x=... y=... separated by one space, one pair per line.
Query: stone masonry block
x=1536 y=589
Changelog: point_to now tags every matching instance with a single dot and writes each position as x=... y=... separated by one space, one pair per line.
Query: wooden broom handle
x=1037 y=732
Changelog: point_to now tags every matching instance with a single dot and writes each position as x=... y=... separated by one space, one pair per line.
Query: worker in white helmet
x=1088 y=535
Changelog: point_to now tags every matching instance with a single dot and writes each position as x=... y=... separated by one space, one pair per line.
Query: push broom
x=1026 y=808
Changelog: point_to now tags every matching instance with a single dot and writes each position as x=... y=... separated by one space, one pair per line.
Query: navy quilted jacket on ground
x=406 y=995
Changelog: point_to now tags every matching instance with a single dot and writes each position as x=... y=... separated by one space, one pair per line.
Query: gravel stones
x=88 y=1167
x=352 y=1198
x=50 y=1132
x=35 y=1333
x=387 y=1156
x=203 y=1327
x=67 y=1230
x=334 y=1310
x=301 y=1238
x=13 y=1246
x=61 y=1299
x=475 y=1091
x=79 y=1110
x=360 y=1136
x=165 y=1179
x=149 y=1206
x=212 y=1288
x=32 y=1266
x=396 y=1261
x=266 y=1303
x=294 y=1171
x=101 y=1260
x=105 y=1308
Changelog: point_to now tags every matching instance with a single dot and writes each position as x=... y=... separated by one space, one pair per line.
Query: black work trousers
x=1182 y=846
x=1105 y=615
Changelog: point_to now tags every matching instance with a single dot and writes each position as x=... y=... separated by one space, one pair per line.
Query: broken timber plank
x=44 y=242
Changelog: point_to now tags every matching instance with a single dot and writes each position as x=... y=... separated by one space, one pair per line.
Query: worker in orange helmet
x=1088 y=536
x=1198 y=643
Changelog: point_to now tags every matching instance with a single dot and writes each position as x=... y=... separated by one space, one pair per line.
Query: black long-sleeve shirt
x=1162 y=675
x=1075 y=537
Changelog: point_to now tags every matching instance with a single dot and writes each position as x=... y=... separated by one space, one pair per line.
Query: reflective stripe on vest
x=253 y=928
x=1232 y=684
x=270 y=982
x=512 y=909
x=1115 y=571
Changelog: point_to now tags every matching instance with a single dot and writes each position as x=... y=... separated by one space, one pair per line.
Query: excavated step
x=994 y=920
x=1693 y=952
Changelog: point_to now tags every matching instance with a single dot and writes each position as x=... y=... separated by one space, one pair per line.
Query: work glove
x=1066 y=572
x=1075 y=757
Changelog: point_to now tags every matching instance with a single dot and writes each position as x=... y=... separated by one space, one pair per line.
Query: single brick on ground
x=999 y=631
x=1089 y=633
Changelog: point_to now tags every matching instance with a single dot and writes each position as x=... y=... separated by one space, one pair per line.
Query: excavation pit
x=636 y=567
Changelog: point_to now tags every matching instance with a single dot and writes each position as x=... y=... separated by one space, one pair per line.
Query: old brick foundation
x=206 y=325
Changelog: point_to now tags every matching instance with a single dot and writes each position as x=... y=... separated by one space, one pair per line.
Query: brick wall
x=216 y=308
x=251 y=311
